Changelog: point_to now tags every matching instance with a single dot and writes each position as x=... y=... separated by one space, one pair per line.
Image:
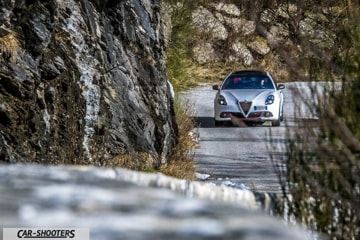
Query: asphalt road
x=239 y=156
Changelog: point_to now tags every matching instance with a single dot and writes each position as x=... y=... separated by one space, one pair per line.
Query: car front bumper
x=254 y=114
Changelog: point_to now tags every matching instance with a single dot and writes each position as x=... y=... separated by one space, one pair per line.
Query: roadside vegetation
x=179 y=50
x=182 y=164
x=321 y=178
x=320 y=175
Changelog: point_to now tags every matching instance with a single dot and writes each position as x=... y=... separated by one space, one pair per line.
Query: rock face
x=230 y=32
x=122 y=204
x=83 y=81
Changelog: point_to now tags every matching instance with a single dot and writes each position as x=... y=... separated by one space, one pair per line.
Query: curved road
x=239 y=156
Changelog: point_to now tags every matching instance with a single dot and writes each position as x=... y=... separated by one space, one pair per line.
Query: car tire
x=282 y=114
x=276 y=123
x=218 y=123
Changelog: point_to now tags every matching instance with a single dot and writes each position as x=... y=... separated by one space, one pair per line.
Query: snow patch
x=240 y=186
x=202 y=176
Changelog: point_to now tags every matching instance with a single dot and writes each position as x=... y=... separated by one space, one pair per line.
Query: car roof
x=249 y=72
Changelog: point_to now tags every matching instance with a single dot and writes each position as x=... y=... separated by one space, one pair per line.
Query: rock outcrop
x=230 y=33
x=83 y=81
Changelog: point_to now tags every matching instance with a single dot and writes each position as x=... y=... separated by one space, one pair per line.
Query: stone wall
x=123 y=204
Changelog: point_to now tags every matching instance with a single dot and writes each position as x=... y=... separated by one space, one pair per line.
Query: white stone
x=204 y=53
x=241 y=52
x=205 y=21
x=260 y=46
x=230 y=9
x=238 y=25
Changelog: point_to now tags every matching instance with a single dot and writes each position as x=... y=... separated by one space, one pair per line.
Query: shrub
x=321 y=179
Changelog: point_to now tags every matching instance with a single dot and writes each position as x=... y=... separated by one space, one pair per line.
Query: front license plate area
x=260 y=108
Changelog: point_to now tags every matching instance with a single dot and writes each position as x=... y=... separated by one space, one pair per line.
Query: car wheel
x=218 y=123
x=276 y=123
x=282 y=114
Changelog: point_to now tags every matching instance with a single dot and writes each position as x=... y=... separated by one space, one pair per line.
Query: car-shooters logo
x=46 y=233
x=29 y=233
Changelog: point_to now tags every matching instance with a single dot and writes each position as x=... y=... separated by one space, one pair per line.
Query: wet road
x=240 y=155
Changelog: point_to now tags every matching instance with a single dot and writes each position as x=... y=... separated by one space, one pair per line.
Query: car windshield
x=248 y=82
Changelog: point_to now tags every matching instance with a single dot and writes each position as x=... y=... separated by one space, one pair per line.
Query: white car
x=249 y=96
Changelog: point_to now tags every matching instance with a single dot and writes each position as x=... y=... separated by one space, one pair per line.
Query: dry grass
x=137 y=161
x=182 y=164
x=211 y=73
x=273 y=64
x=10 y=46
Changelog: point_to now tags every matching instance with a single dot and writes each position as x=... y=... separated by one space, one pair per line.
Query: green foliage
x=179 y=51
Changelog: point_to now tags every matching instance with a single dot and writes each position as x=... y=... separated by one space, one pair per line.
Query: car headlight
x=221 y=100
x=269 y=100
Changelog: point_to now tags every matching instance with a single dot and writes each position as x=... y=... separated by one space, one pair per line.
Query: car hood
x=247 y=94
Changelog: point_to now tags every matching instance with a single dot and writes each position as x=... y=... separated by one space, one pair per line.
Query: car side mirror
x=280 y=86
x=215 y=87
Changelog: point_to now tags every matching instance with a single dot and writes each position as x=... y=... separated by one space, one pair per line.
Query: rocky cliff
x=83 y=81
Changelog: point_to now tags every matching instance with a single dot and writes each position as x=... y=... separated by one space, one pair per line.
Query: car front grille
x=245 y=106
x=228 y=114
x=255 y=115
x=238 y=115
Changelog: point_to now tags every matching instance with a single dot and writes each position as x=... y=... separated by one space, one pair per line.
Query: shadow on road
x=204 y=122
x=208 y=122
